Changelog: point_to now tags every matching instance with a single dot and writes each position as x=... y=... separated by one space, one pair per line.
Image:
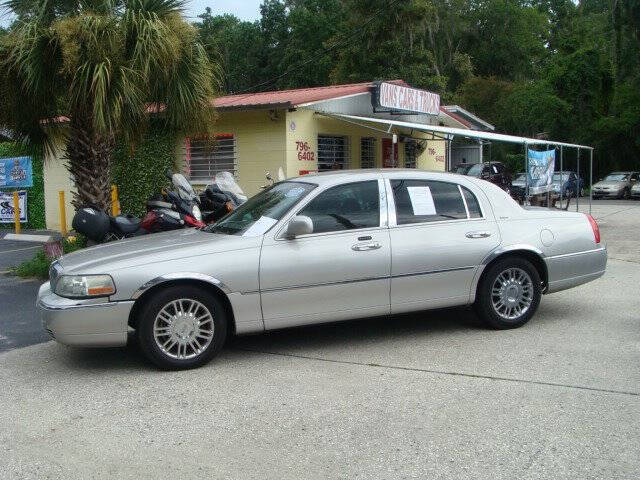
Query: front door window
x=345 y=207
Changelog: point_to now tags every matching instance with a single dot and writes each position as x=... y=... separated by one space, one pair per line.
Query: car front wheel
x=182 y=327
x=509 y=293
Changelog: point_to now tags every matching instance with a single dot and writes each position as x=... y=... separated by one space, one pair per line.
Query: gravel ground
x=428 y=395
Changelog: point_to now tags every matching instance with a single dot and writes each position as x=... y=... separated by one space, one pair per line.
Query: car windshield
x=261 y=212
x=560 y=176
x=521 y=178
x=616 y=177
x=476 y=170
x=462 y=168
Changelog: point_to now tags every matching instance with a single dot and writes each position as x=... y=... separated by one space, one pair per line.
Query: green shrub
x=39 y=265
x=142 y=173
x=35 y=194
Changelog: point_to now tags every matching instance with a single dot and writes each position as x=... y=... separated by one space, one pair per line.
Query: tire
x=180 y=338
x=626 y=194
x=582 y=192
x=508 y=317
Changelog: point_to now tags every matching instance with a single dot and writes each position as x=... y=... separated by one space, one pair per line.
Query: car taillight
x=594 y=227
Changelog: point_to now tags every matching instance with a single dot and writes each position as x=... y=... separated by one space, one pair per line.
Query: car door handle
x=478 y=234
x=361 y=247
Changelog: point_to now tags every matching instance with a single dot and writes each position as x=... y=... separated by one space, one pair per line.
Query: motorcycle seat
x=127 y=224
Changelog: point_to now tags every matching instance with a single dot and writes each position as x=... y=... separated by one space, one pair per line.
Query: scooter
x=221 y=197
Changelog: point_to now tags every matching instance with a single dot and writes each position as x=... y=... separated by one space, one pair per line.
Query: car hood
x=609 y=184
x=154 y=248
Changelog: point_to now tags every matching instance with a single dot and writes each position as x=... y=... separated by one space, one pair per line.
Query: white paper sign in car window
x=262 y=225
x=421 y=201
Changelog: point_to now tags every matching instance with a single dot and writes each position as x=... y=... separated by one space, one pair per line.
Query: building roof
x=467 y=118
x=293 y=98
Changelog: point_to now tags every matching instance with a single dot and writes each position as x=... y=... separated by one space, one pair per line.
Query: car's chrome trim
x=368 y=279
x=40 y=303
x=180 y=276
x=391 y=203
x=573 y=254
x=510 y=248
x=430 y=272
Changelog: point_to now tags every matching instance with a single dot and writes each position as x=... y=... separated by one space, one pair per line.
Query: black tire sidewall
x=156 y=302
x=484 y=306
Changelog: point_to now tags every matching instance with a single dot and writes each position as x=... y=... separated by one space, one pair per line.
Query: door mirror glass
x=299 y=225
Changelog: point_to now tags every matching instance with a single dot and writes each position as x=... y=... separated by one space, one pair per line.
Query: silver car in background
x=320 y=248
x=616 y=185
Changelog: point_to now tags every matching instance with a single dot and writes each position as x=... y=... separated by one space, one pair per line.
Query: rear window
x=419 y=201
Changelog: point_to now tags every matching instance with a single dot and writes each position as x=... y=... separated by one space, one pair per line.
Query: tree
x=107 y=66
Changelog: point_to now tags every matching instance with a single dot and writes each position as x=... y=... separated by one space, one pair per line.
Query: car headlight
x=197 y=214
x=83 y=286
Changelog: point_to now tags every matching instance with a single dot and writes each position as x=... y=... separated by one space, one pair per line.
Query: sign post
x=16 y=212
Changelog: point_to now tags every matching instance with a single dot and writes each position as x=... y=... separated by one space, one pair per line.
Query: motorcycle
x=221 y=197
x=174 y=210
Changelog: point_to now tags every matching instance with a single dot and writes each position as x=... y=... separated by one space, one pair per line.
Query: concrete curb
x=26 y=237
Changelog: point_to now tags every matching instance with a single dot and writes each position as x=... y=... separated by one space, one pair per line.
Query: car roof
x=339 y=176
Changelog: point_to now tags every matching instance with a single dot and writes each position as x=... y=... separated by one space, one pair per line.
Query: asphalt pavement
x=430 y=395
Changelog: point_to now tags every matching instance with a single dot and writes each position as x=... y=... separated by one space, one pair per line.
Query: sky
x=243 y=9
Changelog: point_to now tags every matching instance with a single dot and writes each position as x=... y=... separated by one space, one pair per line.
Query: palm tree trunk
x=88 y=159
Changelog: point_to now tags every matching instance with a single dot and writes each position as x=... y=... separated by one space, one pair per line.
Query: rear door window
x=419 y=201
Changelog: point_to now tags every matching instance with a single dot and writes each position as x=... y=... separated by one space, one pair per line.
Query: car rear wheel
x=509 y=293
x=182 y=327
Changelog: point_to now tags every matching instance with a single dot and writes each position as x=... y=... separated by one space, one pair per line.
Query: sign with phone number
x=304 y=151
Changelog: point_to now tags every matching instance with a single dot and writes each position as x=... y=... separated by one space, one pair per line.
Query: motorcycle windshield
x=227 y=183
x=183 y=187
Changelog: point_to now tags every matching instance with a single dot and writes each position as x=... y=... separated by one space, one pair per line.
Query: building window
x=367 y=152
x=410 y=153
x=205 y=157
x=333 y=153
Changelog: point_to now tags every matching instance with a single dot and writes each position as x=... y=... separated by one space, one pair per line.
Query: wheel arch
x=533 y=255
x=150 y=288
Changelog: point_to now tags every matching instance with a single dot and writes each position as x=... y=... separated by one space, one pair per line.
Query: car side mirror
x=299 y=225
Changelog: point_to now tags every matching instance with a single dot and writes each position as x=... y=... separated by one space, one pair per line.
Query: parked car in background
x=494 y=172
x=568 y=184
x=635 y=191
x=462 y=168
x=319 y=248
x=616 y=185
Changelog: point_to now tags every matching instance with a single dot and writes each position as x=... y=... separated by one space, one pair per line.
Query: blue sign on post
x=16 y=172
x=541 y=167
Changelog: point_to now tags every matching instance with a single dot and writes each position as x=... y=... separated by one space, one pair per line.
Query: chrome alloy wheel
x=183 y=329
x=512 y=293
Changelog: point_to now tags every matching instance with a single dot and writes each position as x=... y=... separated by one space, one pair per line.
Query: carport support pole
x=63 y=213
x=578 y=173
x=590 y=179
x=561 y=175
x=526 y=173
x=16 y=212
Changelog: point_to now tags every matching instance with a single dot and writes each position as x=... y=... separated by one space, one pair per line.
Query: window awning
x=498 y=137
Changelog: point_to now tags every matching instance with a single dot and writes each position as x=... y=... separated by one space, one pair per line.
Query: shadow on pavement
x=350 y=333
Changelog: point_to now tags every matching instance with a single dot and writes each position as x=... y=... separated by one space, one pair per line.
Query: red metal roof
x=292 y=98
x=456 y=117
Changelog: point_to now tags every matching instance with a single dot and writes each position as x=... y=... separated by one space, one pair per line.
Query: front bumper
x=607 y=193
x=635 y=193
x=88 y=323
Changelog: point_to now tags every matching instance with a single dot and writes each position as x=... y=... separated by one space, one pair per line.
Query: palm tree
x=93 y=72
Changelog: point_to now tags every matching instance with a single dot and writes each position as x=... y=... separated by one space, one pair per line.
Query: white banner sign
x=397 y=97
x=6 y=206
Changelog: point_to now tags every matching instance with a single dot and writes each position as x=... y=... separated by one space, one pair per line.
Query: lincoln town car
x=322 y=248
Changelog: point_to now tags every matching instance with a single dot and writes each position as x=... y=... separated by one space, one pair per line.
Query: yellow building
x=300 y=131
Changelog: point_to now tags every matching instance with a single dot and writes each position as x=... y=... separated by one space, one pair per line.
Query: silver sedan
x=321 y=248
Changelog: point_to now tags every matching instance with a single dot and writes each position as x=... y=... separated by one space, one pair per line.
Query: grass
x=39 y=265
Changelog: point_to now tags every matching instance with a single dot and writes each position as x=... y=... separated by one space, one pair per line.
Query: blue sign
x=16 y=172
x=541 y=166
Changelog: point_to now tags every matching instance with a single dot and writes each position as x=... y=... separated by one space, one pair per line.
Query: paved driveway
x=430 y=395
